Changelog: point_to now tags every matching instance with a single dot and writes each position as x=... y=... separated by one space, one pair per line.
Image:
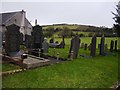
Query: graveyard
x=83 y=72
x=33 y=59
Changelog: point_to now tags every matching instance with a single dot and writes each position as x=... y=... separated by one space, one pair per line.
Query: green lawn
x=97 y=72
x=8 y=67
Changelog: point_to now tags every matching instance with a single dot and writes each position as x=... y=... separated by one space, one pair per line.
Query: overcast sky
x=85 y=13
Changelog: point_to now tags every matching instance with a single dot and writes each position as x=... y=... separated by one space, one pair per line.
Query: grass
x=97 y=72
x=8 y=67
x=79 y=73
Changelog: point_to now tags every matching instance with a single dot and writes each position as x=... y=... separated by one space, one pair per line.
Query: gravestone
x=74 y=47
x=62 y=44
x=102 y=45
x=45 y=46
x=85 y=46
x=115 y=45
x=37 y=36
x=12 y=39
x=111 y=45
x=93 y=46
x=52 y=40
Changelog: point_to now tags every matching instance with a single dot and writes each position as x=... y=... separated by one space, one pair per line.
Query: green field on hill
x=70 y=26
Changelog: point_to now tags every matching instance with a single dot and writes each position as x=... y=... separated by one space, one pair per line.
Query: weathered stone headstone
x=85 y=46
x=52 y=40
x=45 y=46
x=102 y=45
x=115 y=45
x=93 y=46
x=12 y=39
x=111 y=45
x=37 y=36
x=74 y=47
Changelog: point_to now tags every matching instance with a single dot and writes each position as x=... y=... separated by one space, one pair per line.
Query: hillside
x=70 y=26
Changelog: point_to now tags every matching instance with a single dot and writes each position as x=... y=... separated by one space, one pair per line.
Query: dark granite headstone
x=74 y=47
x=102 y=45
x=45 y=46
x=115 y=45
x=12 y=39
x=111 y=45
x=37 y=36
x=85 y=46
x=93 y=46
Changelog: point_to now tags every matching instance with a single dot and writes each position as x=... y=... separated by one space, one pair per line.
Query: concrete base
x=33 y=62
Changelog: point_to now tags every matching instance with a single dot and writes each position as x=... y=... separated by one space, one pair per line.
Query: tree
x=117 y=19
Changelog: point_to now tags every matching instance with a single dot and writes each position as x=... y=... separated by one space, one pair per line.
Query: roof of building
x=5 y=16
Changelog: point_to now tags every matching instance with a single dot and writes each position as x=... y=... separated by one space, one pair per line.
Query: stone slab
x=33 y=62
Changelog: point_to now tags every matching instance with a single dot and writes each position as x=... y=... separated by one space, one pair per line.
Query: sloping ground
x=98 y=72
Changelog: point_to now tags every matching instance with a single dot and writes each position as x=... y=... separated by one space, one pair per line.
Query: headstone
x=51 y=40
x=37 y=36
x=115 y=45
x=111 y=45
x=93 y=46
x=85 y=46
x=102 y=45
x=12 y=39
x=75 y=44
x=45 y=46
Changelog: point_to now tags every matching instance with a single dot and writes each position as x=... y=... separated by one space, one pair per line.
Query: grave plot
x=31 y=62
